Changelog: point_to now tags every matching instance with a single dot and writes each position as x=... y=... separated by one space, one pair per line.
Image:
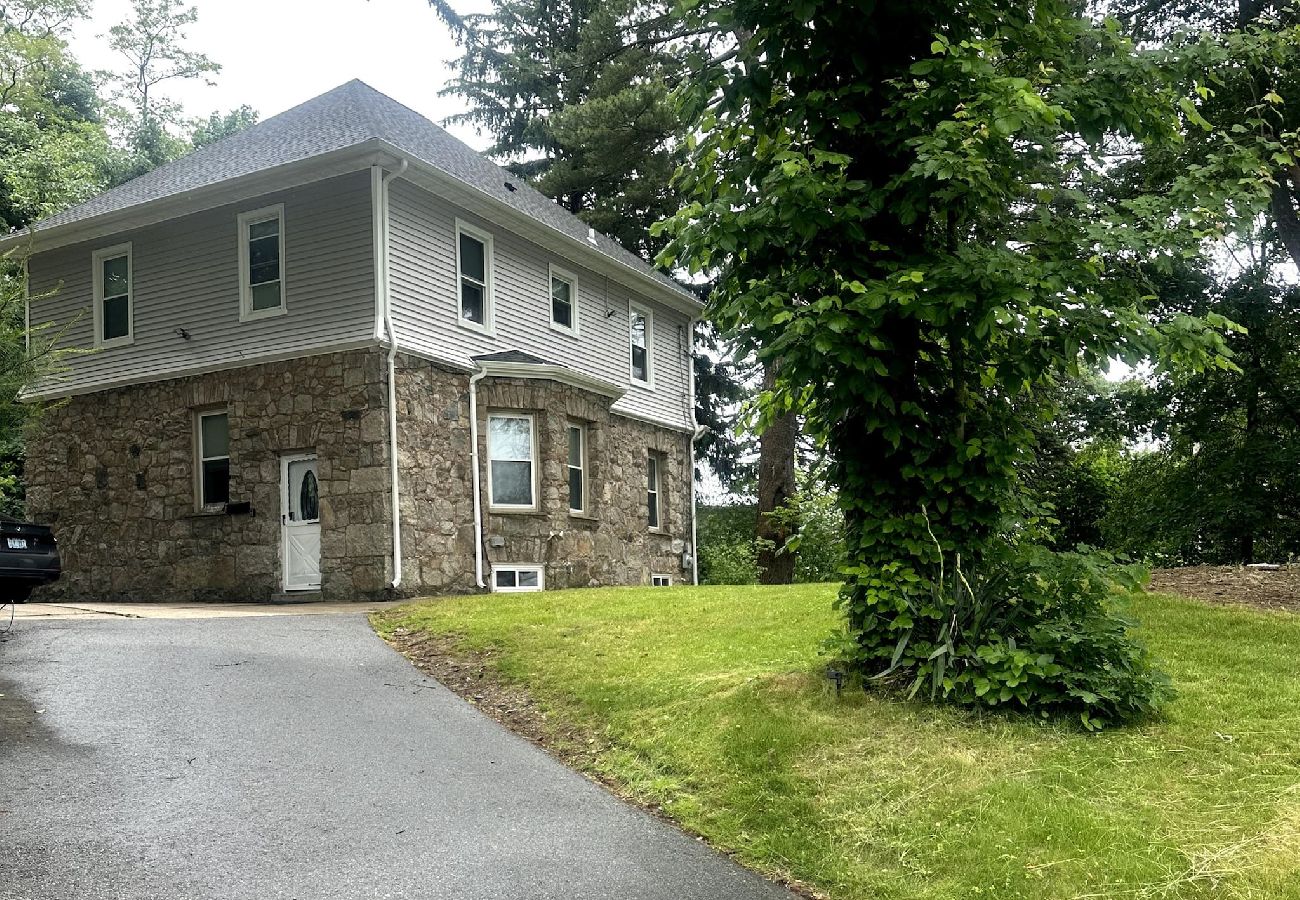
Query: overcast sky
x=277 y=53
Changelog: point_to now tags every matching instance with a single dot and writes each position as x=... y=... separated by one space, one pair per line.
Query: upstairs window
x=654 y=505
x=214 y=460
x=639 y=337
x=564 y=301
x=474 y=276
x=261 y=263
x=113 y=297
x=577 y=469
x=511 y=477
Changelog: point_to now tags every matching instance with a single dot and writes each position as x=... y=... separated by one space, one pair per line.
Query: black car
x=29 y=557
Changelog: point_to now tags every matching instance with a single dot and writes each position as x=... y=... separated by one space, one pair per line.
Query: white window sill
x=115 y=342
x=475 y=326
x=567 y=332
x=253 y=315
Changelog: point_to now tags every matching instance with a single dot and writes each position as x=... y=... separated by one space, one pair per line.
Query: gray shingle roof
x=515 y=356
x=349 y=115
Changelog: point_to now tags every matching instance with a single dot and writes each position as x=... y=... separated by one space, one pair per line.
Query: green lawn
x=711 y=702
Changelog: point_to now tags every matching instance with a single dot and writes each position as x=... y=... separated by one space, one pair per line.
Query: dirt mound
x=1264 y=588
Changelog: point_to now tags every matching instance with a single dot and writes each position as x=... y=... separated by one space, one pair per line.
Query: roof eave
x=551 y=372
x=220 y=193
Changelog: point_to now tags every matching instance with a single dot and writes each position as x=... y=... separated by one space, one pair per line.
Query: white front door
x=300 y=496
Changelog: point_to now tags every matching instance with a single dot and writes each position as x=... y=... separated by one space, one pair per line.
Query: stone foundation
x=114 y=473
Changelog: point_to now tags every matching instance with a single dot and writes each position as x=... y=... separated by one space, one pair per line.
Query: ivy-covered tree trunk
x=913 y=209
x=776 y=488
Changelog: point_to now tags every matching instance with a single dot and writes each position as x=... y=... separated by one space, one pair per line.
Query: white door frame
x=285 y=460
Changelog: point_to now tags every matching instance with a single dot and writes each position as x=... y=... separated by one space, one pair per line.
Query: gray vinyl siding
x=185 y=275
x=425 y=307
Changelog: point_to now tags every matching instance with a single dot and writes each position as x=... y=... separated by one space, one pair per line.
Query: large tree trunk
x=776 y=486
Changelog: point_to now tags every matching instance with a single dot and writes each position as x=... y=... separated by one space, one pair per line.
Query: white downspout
x=696 y=433
x=387 y=307
x=474 y=476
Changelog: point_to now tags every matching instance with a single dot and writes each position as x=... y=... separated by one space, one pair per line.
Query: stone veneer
x=114 y=473
x=611 y=544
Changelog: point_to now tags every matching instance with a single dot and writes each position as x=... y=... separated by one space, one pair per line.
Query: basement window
x=661 y=581
x=517 y=579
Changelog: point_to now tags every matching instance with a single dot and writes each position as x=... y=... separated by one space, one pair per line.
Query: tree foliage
x=575 y=98
x=153 y=43
x=912 y=208
x=54 y=150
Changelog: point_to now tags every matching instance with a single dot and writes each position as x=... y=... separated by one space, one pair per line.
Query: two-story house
x=343 y=354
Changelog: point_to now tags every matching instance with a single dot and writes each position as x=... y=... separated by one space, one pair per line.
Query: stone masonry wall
x=114 y=473
x=611 y=544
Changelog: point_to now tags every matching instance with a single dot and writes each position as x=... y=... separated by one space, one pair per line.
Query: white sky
x=277 y=53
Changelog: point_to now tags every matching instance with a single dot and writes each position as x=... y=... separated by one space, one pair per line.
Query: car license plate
x=17 y=543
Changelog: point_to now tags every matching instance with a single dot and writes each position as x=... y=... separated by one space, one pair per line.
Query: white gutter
x=473 y=467
x=381 y=261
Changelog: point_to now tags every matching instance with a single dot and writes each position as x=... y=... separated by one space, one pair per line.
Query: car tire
x=15 y=593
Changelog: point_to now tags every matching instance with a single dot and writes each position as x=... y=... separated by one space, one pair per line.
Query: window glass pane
x=652 y=505
x=512 y=483
x=505 y=578
x=266 y=296
x=263 y=261
x=115 y=276
x=117 y=317
x=528 y=578
x=510 y=438
x=638 y=330
x=575 y=446
x=269 y=228
x=471 y=302
x=309 y=497
x=562 y=302
x=652 y=473
x=472 y=258
x=575 y=489
x=638 y=364
x=561 y=313
x=216 y=482
x=216 y=436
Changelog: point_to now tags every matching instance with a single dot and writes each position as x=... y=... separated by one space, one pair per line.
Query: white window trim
x=247 y=219
x=563 y=275
x=200 y=459
x=658 y=492
x=583 y=467
x=97 y=265
x=532 y=431
x=649 y=383
x=517 y=568
x=667 y=579
x=488 y=325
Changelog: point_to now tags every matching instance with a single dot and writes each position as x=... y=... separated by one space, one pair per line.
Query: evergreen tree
x=575 y=97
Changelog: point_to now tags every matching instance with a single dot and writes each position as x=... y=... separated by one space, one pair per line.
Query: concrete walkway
x=293 y=755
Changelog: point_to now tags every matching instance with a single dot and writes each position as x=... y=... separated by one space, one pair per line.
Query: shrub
x=1027 y=628
x=727 y=551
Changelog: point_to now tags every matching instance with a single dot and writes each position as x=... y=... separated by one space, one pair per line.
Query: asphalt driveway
x=294 y=757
